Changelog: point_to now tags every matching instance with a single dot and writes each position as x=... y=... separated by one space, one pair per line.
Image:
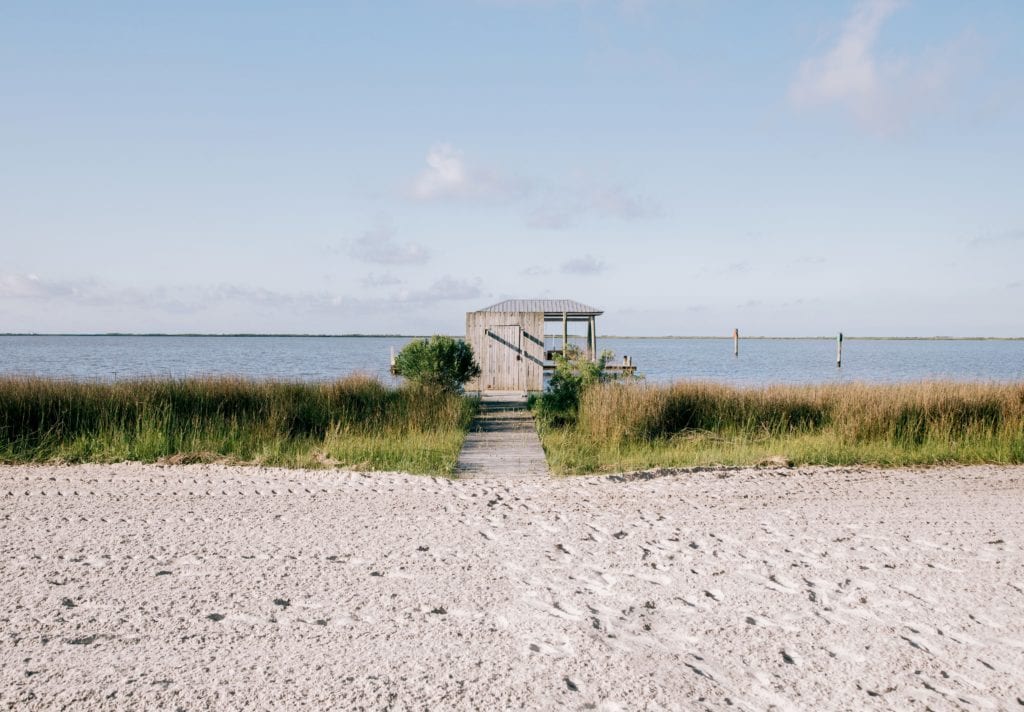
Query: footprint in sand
x=780 y=583
x=554 y=650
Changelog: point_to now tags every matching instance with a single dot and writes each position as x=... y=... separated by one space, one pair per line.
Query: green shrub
x=560 y=403
x=438 y=362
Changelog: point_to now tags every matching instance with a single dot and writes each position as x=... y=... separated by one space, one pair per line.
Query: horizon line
x=846 y=336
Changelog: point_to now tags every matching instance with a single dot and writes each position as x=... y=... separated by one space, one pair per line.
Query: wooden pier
x=502 y=441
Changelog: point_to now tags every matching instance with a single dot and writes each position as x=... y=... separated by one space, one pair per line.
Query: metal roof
x=550 y=307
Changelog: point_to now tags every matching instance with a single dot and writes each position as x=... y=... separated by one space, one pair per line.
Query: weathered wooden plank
x=509 y=347
x=502 y=441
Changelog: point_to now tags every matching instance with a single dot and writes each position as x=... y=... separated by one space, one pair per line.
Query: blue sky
x=335 y=167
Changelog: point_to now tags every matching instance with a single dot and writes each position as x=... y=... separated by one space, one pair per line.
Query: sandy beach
x=215 y=587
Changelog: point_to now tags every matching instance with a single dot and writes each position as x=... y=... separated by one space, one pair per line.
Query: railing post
x=592 y=338
x=565 y=335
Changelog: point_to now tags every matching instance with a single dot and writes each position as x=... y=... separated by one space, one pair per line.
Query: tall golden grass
x=627 y=426
x=356 y=421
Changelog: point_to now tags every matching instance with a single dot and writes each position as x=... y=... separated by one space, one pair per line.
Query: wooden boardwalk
x=502 y=441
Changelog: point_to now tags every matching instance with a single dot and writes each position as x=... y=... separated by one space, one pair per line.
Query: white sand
x=800 y=589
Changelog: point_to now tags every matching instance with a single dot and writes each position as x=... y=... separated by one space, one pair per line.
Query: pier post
x=565 y=335
x=736 y=342
x=590 y=339
x=839 y=350
x=593 y=337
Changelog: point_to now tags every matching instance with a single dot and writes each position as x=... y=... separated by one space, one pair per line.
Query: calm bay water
x=659 y=360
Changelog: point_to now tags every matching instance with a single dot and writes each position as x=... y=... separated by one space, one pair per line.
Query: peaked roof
x=550 y=307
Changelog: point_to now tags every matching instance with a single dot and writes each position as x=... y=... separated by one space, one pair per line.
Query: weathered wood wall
x=509 y=346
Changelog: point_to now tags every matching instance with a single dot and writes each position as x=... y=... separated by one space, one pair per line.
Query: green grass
x=356 y=422
x=624 y=427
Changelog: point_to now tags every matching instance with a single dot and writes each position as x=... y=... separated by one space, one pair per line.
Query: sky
x=689 y=166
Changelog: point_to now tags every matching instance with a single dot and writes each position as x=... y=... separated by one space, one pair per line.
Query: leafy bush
x=560 y=403
x=438 y=362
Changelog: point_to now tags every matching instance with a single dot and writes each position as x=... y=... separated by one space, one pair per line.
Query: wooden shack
x=508 y=340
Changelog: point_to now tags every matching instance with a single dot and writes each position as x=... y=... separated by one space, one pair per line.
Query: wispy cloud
x=882 y=92
x=445 y=174
x=89 y=292
x=586 y=265
x=448 y=175
x=627 y=6
x=544 y=204
x=444 y=289
x=29 y=286
x=570 y=204
x=1009 y=237
x=197 y=299
x=379 y=246
x=386 y=279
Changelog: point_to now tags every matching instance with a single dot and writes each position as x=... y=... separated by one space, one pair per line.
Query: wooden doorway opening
x=505 y=368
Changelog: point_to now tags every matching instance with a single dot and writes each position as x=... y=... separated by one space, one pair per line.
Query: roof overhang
x=553 y=309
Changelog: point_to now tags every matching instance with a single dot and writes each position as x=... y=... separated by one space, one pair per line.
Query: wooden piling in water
x=736 y=342
x=839 y=350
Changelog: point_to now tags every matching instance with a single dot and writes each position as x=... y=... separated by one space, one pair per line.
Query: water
x=659 y=360
x=281 y=357
x=814 y=360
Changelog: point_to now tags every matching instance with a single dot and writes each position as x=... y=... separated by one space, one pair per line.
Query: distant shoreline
x=846 y=337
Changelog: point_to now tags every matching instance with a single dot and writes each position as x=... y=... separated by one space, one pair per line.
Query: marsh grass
x=356 y=422
x=635 y=426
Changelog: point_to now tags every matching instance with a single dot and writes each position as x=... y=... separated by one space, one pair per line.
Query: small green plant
x=560 y=403
x=438 y=362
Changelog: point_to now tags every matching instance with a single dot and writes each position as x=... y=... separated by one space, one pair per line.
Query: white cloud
x=29 y=286
x=588 y=264
x=1006 y=238
x=380 y=247
x=544 y=205
x=881 y=92
x=93 y=294
x=449 y=176
x=568 y=205
x=387 y=279
x=535 y=271
x=444 y=176
x=196 y=300
x=445 y=289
